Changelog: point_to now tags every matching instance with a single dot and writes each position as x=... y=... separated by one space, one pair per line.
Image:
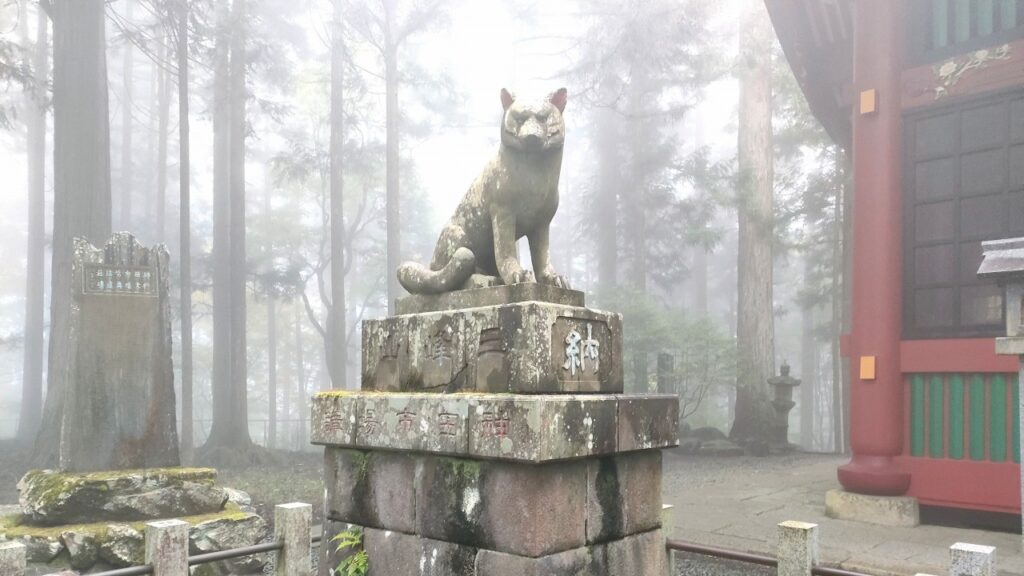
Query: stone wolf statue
x=515 y=196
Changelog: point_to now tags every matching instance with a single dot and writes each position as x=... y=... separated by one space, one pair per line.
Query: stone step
x=518 y=427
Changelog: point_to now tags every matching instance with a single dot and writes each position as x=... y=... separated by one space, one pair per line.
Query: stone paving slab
x=735 y=503
x=524 y=428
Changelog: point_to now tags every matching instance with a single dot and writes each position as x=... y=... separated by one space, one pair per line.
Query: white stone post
x=798 y=548
x=167 y=547
x=668 y=526
x=972 y=560
x=12 y=558
x=293 y=527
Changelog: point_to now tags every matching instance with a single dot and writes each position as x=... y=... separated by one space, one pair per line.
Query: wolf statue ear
x=507 y=98
x=559 y=98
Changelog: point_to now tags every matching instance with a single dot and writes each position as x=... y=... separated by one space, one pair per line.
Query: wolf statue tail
x=418 y=279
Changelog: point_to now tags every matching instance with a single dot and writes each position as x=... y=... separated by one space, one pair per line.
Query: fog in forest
x=690 y=155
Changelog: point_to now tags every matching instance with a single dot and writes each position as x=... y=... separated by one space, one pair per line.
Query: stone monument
x=119 y=402
x=491 y=435
x=119 y=444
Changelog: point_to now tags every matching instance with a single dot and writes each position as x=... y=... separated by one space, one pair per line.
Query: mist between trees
x=324 y=141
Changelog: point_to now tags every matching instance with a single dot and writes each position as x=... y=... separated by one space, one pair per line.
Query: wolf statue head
x=533 y=125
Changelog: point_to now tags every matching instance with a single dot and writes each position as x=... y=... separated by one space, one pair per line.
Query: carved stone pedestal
x=534 y=462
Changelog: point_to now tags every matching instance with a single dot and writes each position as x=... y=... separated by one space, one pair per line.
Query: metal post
x=293 y=527
x=12 y=558
x=167 y=547
x=798 y=548
x=972 y=560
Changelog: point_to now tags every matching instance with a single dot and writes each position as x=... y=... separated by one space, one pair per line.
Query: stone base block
x=529 y=510
x=883 y=510
x=395 y=553
x=520 y=427
x=523 y=347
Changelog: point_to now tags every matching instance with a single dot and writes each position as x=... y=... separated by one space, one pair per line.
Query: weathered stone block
x=328 y=554
x=82 y=547
x=638 y=554
x=648 y=421
x=972 y=560
x=530 y=510
x=641 y=554
x=797 y=548
x=392 y=553
x=124 y=546
x=373 y=489
x=883 y=510
x=521 y=427
x=12 y=558
x=541 y=428
x=623 y=495
x=227 y=532
x=525 y=347
x=52 y=497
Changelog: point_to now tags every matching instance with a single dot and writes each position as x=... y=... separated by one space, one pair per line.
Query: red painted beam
x=956 y=356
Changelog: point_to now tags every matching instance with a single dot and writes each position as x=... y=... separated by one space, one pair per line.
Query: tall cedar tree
x=754 y=324
x=337 y=326
x=81 y=181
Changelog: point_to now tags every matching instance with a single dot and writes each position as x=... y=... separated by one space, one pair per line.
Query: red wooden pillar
x=876 y=411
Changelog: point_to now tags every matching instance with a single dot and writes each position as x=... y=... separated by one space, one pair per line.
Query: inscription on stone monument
x=120 y=280
x=580 y=357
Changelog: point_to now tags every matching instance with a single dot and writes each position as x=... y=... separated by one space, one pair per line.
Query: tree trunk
x=700 y=281
x=239 y=365
x=272 y=371
x=127 y=171
x=393 y=208
x=635 y=211
x=842 y=302
x=164 y=103
x=808 y=368
x=81 y=181
x=35 y=275
x=221 y=376
x=754 y=327
x=606 y=220
x=337 y=351
x=185 y=236
x=300 y=374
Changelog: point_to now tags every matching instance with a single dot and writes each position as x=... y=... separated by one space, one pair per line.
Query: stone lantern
x=782 y=400
x=1003 y=261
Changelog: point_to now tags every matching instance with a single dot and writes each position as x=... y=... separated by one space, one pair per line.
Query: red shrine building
x=927 y=98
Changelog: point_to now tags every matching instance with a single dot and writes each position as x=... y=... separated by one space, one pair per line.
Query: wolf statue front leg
x=540 y=242
x=506 y=255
